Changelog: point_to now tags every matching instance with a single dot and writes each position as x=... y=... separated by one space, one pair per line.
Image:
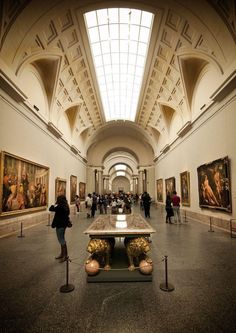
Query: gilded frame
x=60 y=187
x=159 y=183
x=214 y=185
x=82 y=188
x=185 y=188
x=73 y=188
x=170 y=185
x=24 y=185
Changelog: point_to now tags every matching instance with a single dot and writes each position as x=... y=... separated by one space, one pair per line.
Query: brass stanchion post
x=66 y=288
x=49 y=220
x=165 y=286
x=210 y=230
x=21 y=231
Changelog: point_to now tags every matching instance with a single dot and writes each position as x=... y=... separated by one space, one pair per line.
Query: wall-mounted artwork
x=160 y=190
x=170 y=185
x=214 y=185
x=82 y=191
x=73 y=188
x=24 y=185
x=60 y=187
x=185 y=188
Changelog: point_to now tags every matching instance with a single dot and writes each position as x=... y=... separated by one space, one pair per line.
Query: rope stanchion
x=165 y=286
x=232 y=228
x=210 y=230
x=66 y=288
x=185 y=217
x=49 y=220
x=21 y=231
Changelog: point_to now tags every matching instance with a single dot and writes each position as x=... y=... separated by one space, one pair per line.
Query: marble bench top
x=119 y=225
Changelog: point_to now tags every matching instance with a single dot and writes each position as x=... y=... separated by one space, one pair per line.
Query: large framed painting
x=170 y=185
x=73 y=188
x=160 y=190
x=214 y=185
x=60 y=187
x=82 y=191
x=185 y=188
x=24 y=185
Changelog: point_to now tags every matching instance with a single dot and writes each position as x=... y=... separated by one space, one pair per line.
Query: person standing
x=77 y=203
x=88 y=205
x=176 y=207
x=169 y=209
x=146 y=199
x=60 y=222
x=94 y=204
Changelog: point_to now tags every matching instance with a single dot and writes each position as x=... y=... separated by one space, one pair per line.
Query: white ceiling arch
x=120 y=157
x=184 y=33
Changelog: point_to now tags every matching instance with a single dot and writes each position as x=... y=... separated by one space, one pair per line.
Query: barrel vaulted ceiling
x=44 y=51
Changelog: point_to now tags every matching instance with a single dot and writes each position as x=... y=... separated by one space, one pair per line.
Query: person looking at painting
x=169 y=208
x=60 y=222
x=176 y=207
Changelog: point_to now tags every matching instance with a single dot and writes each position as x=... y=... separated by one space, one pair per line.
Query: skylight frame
x=119 y=62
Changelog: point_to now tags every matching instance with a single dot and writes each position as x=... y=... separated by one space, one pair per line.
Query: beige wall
x=211 y=138
x=29 y=139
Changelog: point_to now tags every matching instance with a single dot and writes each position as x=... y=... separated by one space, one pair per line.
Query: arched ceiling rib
x=186 y=37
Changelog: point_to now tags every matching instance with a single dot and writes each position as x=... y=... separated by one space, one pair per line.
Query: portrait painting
x=24 y=185
x=160 y=190
x=60 y=187
x=73 y=188
x=214 y=185
x=185 y=188
x=82 y=191
x=170 y=185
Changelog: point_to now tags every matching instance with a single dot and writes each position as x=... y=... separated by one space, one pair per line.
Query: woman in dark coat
x=60 y=222
x=169 y=209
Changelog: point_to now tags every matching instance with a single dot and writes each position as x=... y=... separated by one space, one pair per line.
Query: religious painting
x=82 y=191
x=73 y=188
x=60 y=187
x=185 y=188
x=24 y=185
x=160 y=190
x=214 y=185
x=170 y=185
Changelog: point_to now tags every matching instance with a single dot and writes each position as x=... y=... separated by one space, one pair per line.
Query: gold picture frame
x=82 y=188
x=170 y=185
x=60 y=187
x=24 y=185
x=214 y=185
x=185 y=188
x=159 y=183
x=73 y=188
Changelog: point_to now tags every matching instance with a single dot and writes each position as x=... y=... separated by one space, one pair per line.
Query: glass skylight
x=119 y=39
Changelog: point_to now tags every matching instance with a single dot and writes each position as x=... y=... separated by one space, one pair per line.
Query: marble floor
x=201 y=267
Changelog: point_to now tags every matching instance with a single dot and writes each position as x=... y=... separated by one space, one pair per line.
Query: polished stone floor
x=201 y=267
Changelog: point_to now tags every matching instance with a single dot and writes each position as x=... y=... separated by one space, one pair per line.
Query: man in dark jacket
x=146 y=199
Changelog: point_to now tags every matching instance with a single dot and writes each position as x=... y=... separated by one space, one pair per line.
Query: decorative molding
x=165 y=149
x=184 y=129
x=10 y=88
x=75 y=150
x=54 y=130
x=225 y=88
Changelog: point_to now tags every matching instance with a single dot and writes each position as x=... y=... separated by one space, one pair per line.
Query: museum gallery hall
x=132 y=103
